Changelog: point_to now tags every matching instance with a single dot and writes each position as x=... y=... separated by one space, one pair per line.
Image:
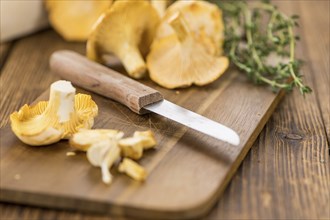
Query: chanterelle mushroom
x=181 y=59
x=204 y=19
x=131 y=147
x=104 y=154
x=160 y=6
x=148 y=139
x=48 y=122
x=85 y=138
x=132 y=169
x=126 y=30
x=74 y=20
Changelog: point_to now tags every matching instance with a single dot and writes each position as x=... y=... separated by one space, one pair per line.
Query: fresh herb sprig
x=250 y=42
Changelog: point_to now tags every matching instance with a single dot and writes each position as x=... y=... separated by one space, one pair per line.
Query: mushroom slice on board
x=74 y=20
x=104 y=154
x=131 y=147
x=85 y=138
x=48 y=122
x=132 y=169
x=160 y=6
x=204 y=19
x=147 y=138
x=125 y=30
x=181 y=59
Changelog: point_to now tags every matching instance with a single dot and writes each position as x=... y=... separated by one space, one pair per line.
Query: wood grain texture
x=100 y=79
x=4 y=51
x=284 y=176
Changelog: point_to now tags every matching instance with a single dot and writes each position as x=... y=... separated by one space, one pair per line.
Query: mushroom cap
x=126 y=30
x=204 y=19
x=173 y=63
x=74 y=20
x=39 y=125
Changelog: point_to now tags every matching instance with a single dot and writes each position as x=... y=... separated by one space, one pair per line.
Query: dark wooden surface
x=286 y=173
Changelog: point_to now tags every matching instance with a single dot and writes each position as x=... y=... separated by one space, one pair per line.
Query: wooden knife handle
x=102 y=80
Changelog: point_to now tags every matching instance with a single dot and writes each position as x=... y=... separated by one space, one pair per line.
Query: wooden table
x=286 y=174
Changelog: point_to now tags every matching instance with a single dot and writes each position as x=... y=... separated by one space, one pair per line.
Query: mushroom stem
x=180 y=26
x=133 y=61
x=61 y=100
x=106 y=175
x=160 y=6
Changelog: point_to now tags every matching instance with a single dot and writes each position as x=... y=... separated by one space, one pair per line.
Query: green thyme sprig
x=257 y=31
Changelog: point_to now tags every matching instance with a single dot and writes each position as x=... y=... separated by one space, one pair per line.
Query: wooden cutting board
x=188 y=171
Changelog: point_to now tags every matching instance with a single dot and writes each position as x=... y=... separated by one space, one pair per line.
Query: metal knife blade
x=194 y=121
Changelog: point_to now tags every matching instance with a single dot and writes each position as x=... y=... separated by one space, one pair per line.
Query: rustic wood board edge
x=8 y=195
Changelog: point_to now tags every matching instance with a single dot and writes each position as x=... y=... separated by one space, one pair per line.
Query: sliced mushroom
x=181 y=59
x=147 y=138
x=85 y=138
x=132 y=169
x=74 y=20
x=131 y=147
x=126 y=30
x=48 y=122
x=104 y=154
x=203 y=18
x=160 y=6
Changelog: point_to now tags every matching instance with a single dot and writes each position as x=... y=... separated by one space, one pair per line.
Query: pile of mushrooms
x=179 y=46
x=183 y=42
x=105 y=147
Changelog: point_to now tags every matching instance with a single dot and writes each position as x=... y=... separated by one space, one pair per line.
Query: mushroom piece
x=104 y=154
x=203 y=18
x=160 y=6
x=147 y=138
x=85 y=138
x=132 y=169
x=126 y=30
x=48 y=122
x=131 y=147
x=181 y=59
x=74 y=20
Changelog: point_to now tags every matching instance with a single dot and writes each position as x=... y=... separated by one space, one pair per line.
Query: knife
x=139 y=98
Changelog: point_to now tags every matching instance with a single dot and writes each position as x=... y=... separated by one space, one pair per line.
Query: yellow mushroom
x=85 y=138
x=132 y=169
x=181 y=59
x=104 y=153
x=131 y=147
x=74 y=20
x=203 y=18
x=147 y=138
x=160 y=6
x=125 y=30
x=48 y=122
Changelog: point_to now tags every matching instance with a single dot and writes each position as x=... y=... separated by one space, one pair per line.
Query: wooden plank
x=317 y=53
x=286 y=174
x=182 y=163
x=4 y=51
